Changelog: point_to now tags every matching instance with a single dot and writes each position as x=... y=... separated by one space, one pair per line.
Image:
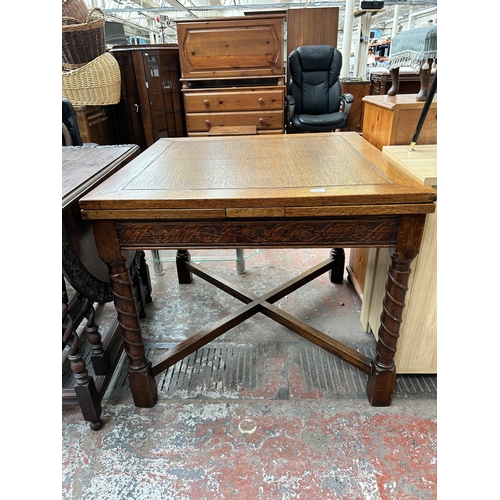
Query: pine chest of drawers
x=260 y=106
x=232 y=73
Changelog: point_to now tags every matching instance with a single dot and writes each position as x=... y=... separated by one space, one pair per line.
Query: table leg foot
x=143 y=387
x=89 y=402
x=183 y=275
x=97 y=425
x=380 y=386
x=337 y=271
x=101 y=363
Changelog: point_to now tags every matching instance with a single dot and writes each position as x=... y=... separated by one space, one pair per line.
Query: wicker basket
x=95 y=84
x=75 y=9
x=82 y=42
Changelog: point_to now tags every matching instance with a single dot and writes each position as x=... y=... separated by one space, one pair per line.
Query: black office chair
x=315 y=102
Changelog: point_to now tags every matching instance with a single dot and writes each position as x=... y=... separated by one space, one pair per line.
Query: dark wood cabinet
x=409 y=82
x=318 y=26
x=358 y=89
x=151 y=102
x=98 y=124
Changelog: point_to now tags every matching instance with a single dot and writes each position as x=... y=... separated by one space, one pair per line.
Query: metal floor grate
x=280 y=370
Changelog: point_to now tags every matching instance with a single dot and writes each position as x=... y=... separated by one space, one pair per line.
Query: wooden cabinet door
x=162 y=73
x=318 y=26
x=129 y=100
x=231 y=47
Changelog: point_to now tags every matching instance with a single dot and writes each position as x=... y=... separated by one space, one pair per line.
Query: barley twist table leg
x=142 y=382
x=383 y=375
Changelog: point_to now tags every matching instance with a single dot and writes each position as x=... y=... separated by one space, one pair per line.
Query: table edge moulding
x=320 y=190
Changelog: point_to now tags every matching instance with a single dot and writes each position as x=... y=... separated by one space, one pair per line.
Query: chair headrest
x=315 y=57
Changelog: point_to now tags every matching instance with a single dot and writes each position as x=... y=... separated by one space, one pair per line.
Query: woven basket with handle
x=75 y=9
x=82 y=42
x=95 y=84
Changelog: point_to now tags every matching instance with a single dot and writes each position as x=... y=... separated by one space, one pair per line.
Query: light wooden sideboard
x=417 y=345
x=392 y=120
x=387 y=121
x=232 y=73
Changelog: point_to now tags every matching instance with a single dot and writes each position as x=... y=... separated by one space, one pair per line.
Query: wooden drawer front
x=259 y=132
x=231 y=47
x=263 y=120
x=237 y=100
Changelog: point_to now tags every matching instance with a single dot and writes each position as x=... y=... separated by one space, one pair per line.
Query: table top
x=282 y=175
x=398 y=101
x=83 y=166
x=422 y=161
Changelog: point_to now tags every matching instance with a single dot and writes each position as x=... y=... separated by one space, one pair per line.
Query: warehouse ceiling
x=142 y=17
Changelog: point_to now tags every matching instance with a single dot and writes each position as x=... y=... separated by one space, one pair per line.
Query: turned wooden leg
x=382 y=378
x=85 y=388
x=100 y=357
x=144 y=275
x=425 y=75
x=142 y=382
x=141 y=282
x=395 y=82
x=183 y=275
x=337 y=271
x=383 y=375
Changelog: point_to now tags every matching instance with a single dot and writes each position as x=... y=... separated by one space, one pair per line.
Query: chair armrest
x=290 y=102
x=346 y=101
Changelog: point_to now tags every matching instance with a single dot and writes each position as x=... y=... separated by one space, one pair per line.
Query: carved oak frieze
x=301 y=233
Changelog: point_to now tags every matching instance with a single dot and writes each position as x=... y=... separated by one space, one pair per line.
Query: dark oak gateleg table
x=333 y=190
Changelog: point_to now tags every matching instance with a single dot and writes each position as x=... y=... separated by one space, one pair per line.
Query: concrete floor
x=259 y=413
